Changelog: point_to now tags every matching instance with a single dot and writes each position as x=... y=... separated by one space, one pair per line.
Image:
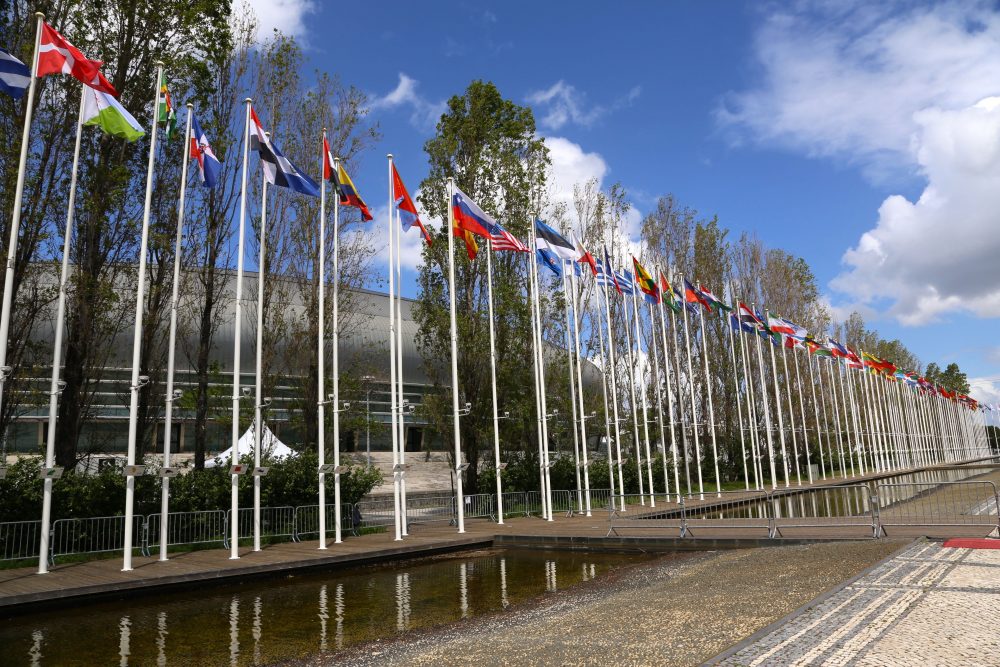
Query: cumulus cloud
x=286 y=16
x=984 y=390
x=424 y=114
x=562 y=103
x=894 y=88
x=571 y=165
x=844 y=79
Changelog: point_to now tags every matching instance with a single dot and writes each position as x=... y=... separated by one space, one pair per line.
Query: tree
x=489 y=146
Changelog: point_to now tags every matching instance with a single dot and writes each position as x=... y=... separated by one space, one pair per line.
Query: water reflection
x=290 y=618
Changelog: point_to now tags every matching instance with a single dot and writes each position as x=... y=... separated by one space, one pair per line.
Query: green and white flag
x=167 y=114
x=107 y=113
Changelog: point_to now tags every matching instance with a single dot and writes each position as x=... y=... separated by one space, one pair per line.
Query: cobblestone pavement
x=929 y=605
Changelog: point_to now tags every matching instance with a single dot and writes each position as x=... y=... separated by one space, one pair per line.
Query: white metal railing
x=971 y=504
x=204 y=527
x=19 y=539
x=95 y=534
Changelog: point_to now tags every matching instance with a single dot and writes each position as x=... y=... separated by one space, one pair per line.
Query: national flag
x=853 y=360
x=877 y=364
x=167 y=113
x=837 y=350
x=779 y=325
x=670 y=298
x=469 y=216
x=279 y=170
x=104 y=111
x=717 y=303
x=14 y=75
x=816 y=347
x=747 y=316
x=551 y=240
x=610 y=270
x=692 y=295
x=57 y=56
x=408 y=215
x=625 y=281
x=585 y=257
x=501 y=239
x=208 y=165
x=547 y=258
x=348 y=194
x=738 y=326
x=646 y=282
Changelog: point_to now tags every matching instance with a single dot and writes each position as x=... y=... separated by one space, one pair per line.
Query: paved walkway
x=929 y=605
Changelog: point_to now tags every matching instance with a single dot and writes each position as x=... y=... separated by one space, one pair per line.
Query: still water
x=279 y=619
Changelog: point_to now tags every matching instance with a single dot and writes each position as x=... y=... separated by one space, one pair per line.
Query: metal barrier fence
x=480 y=506
x=726 y=510
x=203 y=527
x=515 y=504
x=974 y=505
x=849 y=508
x=95 y=534
x=307 y=520
x=636 y=511
x=19 y=539
x=429 y=509
x=274 y=522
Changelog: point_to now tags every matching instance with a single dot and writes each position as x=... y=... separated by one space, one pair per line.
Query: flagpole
x=614 y=388
x=711 y=407
x=678 y=371
x=642 y=393
x=234 y=535
x=393 y=407
x=835 y=366
x=133 y=415
x=15 y=224
x=460 y=497
x=694 y=416
x=538 y=387
x=791 y=412
x=258 y=407
x=540 y=360
x=819 y=434
x=335 y=406
x=633 y=403
x=321 y=343
x=493 y=380
x=399 y=372
x=659 y=396
x=777 y=406
x=54 y=391
x=751 y=400
x=172 y=344
x=607 y=417
x=802 y=414
x=670 y=396
x=577 y=318
x=572 y=390
x=767 y=413
x=739 y=403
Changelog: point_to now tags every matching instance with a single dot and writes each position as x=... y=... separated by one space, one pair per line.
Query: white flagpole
x=234 y=534
x=54 y=391
x=681 y=416
x=658 y=393
x=493 y=380
x=393 y=407
x=633 y=403
x=694 y=415
x=399 y=372
x=642 y=393
x=739 y=403
x=321 y=343
x=140 y=299
x=15 y=225
x=767 y=412
x=791 y=412
x=835 y=366
x=460 y=497
x=172 y=344
x=258 y=407
x=802 y=414
x=335 y=406
x=614 y=387
x=538 y=385
x=751 y=402
x=572 y=390
x=819 y=434
x=607 y=415
x=540 y=361
x=670 y=398
x=577 y=318
x=777 y=406
x=711 y=407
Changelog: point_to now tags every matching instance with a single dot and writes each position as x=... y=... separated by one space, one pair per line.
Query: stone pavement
x=928 y=605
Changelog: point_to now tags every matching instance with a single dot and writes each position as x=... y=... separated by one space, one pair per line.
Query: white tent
x=269 y=445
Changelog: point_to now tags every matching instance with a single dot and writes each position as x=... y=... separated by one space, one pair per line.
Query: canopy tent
x=269 y=444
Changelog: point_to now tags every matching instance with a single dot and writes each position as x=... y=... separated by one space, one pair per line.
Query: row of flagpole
x=886 y=428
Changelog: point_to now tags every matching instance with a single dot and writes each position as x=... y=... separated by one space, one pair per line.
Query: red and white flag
x=58 y=56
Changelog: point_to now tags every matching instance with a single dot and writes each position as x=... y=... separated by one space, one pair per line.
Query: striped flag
x=620 y=280
x=504 y=240
x=549 y=239
x=14 y=75
x=278 y=170
x=408 y=215
x=208 y=165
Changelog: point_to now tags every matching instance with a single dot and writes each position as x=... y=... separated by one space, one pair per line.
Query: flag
x=738 y=326
x=625 y=282
x=468 y=216
x=837 y=350
x=408 y=215
x=547 y=258
x=57 y=56
x=14 y=75
x=646 y=282
x=167 y=113
x=717 y=303
x=104 y=111
x=504 y=240
x=747 y=316
x=279 y=170
x=778 y=325
x=691 y=295
x=878 y=365
x=669 y=294
x=816 y=347
x=585 y=257
x=610 y=271
x=208 y=165
x=551 y=240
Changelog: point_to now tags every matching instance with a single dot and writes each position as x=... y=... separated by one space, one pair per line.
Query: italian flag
x=107 y=113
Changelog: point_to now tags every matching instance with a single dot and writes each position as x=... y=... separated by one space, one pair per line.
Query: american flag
x=504 y=240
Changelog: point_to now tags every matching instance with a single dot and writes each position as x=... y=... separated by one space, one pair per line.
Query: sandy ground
x=677 y=610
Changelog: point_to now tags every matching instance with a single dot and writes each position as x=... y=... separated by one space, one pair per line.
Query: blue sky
x=858 y=136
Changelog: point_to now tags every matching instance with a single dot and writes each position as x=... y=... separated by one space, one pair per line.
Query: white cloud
x=844 y=79
x=984 y=390
x=424 y=114
x=894 y=87
x=286 y=16
x=562 y=103
x=571 y=165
